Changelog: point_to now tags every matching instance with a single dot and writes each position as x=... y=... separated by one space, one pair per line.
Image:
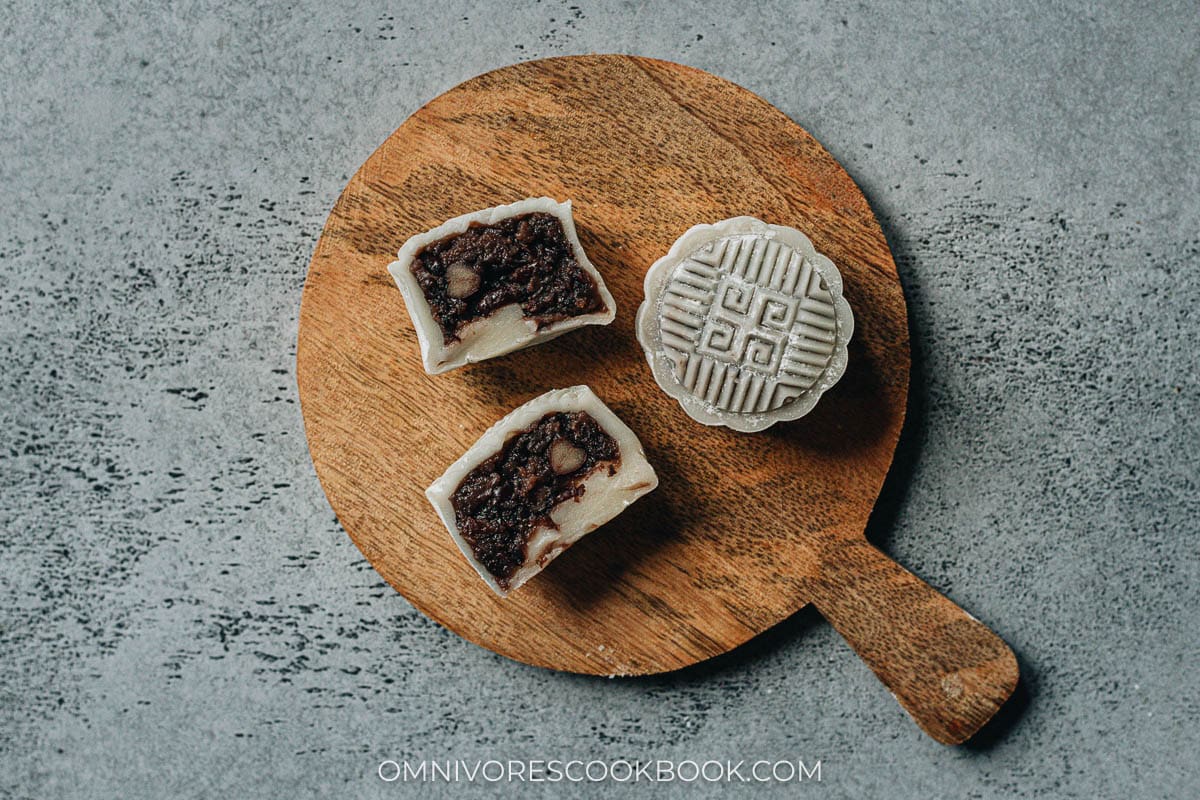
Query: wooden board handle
x=944 y=666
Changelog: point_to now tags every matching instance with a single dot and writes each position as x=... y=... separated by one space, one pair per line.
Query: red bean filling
x=501 y=501
x=525 y=260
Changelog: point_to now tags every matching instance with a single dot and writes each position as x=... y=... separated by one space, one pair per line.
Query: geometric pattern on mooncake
x=748 y=324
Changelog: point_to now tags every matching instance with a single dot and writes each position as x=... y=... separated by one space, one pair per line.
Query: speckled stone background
x=182 y=616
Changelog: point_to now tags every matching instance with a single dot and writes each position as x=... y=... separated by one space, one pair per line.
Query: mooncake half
x=497 y=280
x=545 y=475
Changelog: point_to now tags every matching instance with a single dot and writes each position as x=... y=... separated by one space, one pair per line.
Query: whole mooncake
x=744 y=323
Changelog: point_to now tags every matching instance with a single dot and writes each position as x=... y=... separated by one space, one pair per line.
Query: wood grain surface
x=745 y=529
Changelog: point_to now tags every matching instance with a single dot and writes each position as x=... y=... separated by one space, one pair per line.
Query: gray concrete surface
x=182 y=616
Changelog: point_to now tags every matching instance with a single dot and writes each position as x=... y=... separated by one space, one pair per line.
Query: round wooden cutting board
x=744 y=529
